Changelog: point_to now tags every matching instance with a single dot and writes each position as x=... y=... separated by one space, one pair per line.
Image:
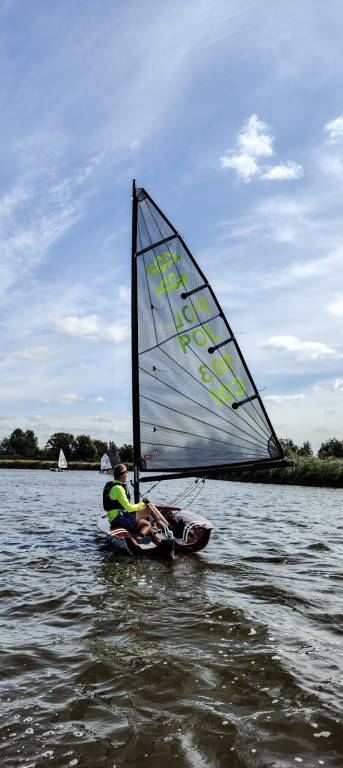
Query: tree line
x=24 y=445
x=330 y=449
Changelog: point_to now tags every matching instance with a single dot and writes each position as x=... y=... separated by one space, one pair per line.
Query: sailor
x=121 y=513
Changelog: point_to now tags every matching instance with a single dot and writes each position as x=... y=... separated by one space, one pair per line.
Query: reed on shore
x=309 y=470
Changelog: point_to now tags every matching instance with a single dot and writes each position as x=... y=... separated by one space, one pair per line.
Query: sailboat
x=105 y=464
x=196 y=408
x=62 y=463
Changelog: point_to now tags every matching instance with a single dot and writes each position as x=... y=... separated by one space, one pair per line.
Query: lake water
x=231 y=657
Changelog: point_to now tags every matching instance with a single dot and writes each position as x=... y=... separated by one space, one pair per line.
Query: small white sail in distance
x=62 y=462
x=105 y=462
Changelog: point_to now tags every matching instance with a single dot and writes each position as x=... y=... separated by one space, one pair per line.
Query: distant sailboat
x=105 y=464
x=62 y=463
x=196 y=408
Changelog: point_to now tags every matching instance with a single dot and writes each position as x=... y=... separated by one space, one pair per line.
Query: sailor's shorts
x=124 y=520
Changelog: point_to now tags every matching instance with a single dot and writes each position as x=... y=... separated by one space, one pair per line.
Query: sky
x=230 y=114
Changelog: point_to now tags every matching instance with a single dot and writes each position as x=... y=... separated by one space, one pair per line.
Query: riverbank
x=320 y=473
x=40 y=464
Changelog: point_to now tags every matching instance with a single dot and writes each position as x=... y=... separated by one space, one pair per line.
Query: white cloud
x=97 y=399
x=39 y=353
x=124 y=293
x=283 y=172
x=245 y=165
x=92 y=327
x=330 y=159
x=308 y=418
x=253 y=143
x=67 y=399
x=335 y=130
x=336 y=309
x=254 y=140
x=284 y=218
x=116 y=333
x=331 y=165
x=304 y=350
x=103 y=418
x=283 y=398
x=39 y=209
x=338 y=385
x=79 y=326
x=10 y=202
x=307 y=270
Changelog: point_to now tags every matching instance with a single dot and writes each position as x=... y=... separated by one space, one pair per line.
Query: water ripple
x=232 y=657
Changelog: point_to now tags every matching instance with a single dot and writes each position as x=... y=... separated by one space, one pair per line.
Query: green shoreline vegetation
x=20 y=451
x=322 y=473
x=23 y=446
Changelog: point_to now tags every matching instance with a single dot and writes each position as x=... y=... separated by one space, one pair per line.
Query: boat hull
x=191 y=533
x=157 y=545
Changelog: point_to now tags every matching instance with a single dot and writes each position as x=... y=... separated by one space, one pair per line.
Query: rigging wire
x=188 y=492
x=191 y=488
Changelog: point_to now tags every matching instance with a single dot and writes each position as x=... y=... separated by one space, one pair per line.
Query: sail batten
x=156 y=245
x=191 y=372
x=241 y=443
x=229 y=432
x=233 y=426
x=264 y=435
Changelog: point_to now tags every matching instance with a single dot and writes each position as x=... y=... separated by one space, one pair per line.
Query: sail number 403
x=219 y=368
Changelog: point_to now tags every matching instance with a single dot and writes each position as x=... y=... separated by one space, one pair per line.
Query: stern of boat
x=191 y=531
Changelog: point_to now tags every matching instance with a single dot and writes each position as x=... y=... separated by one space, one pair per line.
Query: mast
x=134 y=349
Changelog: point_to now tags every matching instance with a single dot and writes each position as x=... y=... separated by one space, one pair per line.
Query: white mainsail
x=62 y=462
x=105 y=462
x=195 y=404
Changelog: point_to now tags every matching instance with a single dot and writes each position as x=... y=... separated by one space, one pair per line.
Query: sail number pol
x=200 y=336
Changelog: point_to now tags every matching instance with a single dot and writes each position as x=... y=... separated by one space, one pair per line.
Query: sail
x=62 y=462
x=197 y=404
x=113 y=454
x=105 y=462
